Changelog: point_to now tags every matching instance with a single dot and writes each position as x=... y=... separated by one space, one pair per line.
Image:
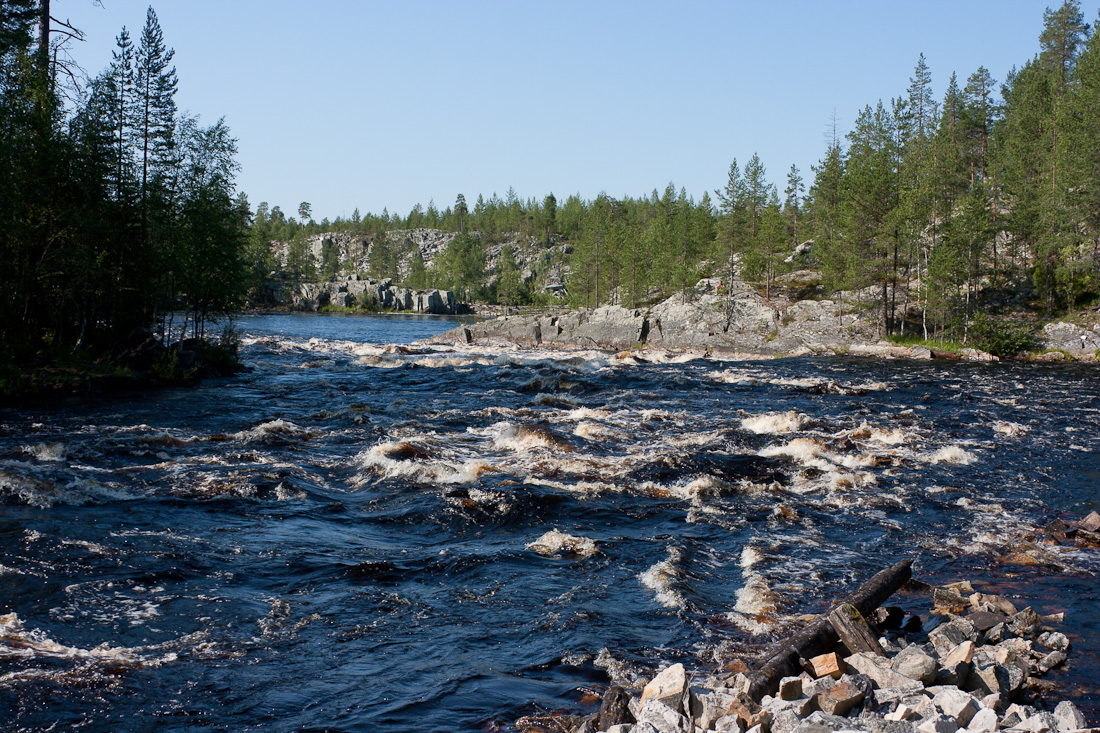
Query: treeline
x=116 y=211
x=938 y=206
x=930 y=211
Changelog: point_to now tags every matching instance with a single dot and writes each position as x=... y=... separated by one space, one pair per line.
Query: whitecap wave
x=555 y=541
x=773 y=423
x=954 y=455
x=662 y=577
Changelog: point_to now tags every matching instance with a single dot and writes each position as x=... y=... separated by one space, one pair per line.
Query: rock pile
x=976 y=667
x=1084 y=533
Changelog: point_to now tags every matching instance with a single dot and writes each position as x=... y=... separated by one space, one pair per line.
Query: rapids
x=369 y=534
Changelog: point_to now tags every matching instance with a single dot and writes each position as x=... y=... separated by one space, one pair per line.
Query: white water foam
x=1010 y=429
x=661 y=578
x=16 y=642
x=555 y=542
x=954 y=455
x=51 y=452
x=773 y=423
x=275 y=430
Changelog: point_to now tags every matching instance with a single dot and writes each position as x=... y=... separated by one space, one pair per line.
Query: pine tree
x=154 y=106
x=460 y=212
x=121 y=81
x=871 y=195
x=978 y=119
x=792 y=204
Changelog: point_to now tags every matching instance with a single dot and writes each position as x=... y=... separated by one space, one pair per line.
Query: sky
x=382 y=105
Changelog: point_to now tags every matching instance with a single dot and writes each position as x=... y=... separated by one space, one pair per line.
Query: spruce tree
x=792 y=204
x=154 y=106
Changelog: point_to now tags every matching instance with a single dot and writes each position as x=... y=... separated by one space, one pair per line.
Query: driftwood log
x=820 y=636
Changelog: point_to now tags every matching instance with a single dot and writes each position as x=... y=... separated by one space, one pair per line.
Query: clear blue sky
x=368 y=104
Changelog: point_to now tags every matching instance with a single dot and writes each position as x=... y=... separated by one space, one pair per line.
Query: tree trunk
x=43 y=60
x=820 y=636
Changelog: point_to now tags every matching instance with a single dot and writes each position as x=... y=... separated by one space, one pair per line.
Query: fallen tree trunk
x=820 y=636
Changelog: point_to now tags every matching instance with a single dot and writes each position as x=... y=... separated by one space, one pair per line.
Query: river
x=345 y=538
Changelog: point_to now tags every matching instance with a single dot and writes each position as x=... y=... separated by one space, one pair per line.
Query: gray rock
x=1055 y=640
x=920 y=352
x=1000 y=678
x=1016 y=714
x=785 y=721
x=914 y=663
x=820 y=722
x=1041 y=722
x=790 y=688
x=661 y=717
x=956 y=704
x=708 y=707
x=977 y=355
x=1052 y=660
x=938 y=724
x=878 y=669
x=884 y=695
x=841 y=698
x=801 y=707
x=669 y=687
x=881 y=725
x=984 y=721
x=946 y=637
x=728 y=724
x=1067 y=717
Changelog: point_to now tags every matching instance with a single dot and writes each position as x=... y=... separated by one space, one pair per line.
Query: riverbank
x=141 y=362
x=746 y=324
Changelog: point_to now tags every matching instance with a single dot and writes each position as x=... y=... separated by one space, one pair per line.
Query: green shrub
x=1002 y=337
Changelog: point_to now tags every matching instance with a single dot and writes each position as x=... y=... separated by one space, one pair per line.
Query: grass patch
x=910 y=341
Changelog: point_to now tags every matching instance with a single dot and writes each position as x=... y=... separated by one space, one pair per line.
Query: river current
x=368 y=534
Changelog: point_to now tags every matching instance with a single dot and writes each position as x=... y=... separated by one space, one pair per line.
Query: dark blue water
x=344 y=538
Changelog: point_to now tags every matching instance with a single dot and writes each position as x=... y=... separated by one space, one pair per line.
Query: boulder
x=914 y=663
x=656 y=717
x=984 y=721
x=880 y=672
x=790 y=688
x=840 y=698
x=957 y=704
x=946 y=637
x=669 y=687
x=1067 y=717
x=938 y=724
x=614 y=708
x=708 y=707
x=956 y=664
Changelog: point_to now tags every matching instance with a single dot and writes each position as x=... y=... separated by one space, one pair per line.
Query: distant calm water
x=344 y=538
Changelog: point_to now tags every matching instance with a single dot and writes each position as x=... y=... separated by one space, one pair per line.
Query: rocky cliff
x=539 y=264
x=351 y=292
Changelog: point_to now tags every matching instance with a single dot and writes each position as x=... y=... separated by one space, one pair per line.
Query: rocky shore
x=351 y=292
x=743 y=323
x=975 y=664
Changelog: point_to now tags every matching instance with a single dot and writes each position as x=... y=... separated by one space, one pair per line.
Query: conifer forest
x=931 y=213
